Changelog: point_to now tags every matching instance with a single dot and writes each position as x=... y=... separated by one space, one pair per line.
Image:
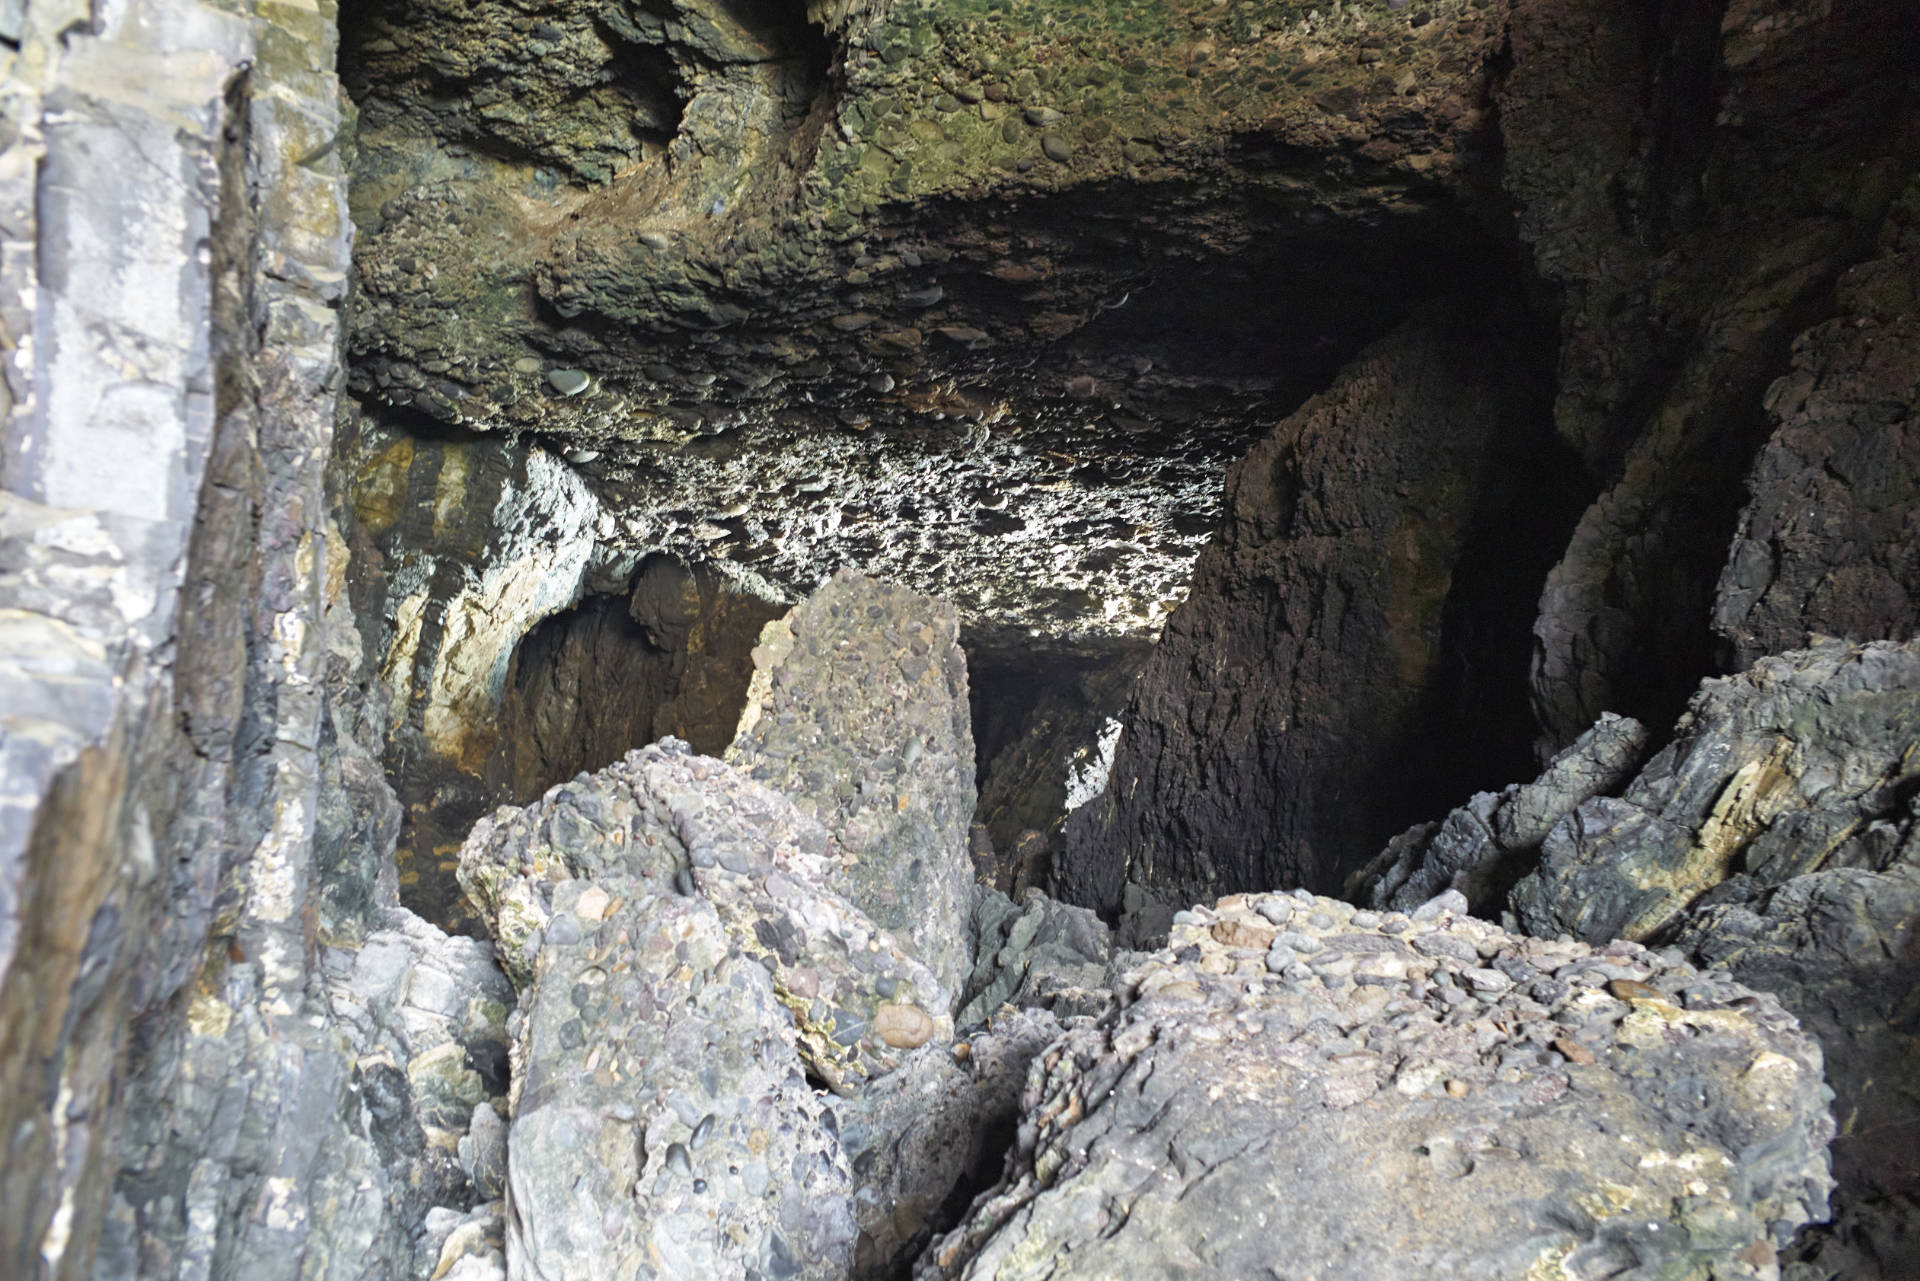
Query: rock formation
x=1127 y=461
x=1296 y=1086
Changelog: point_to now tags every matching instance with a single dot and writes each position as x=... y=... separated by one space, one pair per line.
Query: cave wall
x=513 y=641
x=172 y=341
x=1689 y=188
x=1691 y=184
x=1305 y=702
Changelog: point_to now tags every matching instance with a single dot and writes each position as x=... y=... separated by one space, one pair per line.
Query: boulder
x=661 y=1122
x=1841 y=949
x=1297 y=1088
x=664 y=822
x=858 y=710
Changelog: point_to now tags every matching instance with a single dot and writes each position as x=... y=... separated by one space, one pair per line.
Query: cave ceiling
x=980 y=297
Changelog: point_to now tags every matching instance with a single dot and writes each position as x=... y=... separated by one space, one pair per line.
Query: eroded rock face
x=1828 y=544
x=858 y=711
x=1274 y=729
x=661 y=1122
x=687 y=977
x=1485 y=846
x=1533 y=1107
x=1838 y=949
x=901 y=286
x=1774 y=839
x=1791 y=767
x=1694 y=182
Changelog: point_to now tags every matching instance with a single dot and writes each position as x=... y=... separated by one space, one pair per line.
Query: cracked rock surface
x=1297 y=1087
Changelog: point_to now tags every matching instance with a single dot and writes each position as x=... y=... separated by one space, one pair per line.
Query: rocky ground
x=749 y=640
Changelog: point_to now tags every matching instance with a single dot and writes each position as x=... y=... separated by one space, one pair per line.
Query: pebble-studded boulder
x=1798 y=764
x=665 y=822
x=1296 y=1088
x=661 y=1122
x=858 y=710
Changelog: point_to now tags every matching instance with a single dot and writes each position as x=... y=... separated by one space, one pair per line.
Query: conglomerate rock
x=661 y=1124
x=1801 y=763
x=1299 y=1088
x=686 y=981
x=922 y=1139
x=858 y=711
x=665 y=822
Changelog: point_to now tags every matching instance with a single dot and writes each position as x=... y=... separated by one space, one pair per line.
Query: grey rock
x=1837 y=948
x=858 y=709
x=1782 y=770
x=1701 y=1133
x=1039 y=954
x=1486 y=845
x=918 y=1135
x=601 y=1178
x=664 y=818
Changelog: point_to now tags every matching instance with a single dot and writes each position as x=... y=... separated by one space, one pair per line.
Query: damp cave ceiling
x=982 y=298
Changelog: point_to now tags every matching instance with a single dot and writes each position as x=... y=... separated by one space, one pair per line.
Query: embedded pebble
x=904 y=1027
x=1055 y=148
x=568 y=382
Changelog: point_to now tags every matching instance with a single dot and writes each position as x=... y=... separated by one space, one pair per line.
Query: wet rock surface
x=1537 y=1107
x=858 y=710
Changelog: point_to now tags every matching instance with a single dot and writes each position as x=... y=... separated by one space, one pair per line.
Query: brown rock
x=1240 y=934
x=904 y=1027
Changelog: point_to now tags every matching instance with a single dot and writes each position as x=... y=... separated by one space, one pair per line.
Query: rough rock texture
x=224 y=1053
x=687 y=976
x=516 y=648
x=1038 y=954
x=1802 y=763
x=1524 y=1109
x=666 y=822
x=1830 y=542
x=661 y=1124
x=1838 y=948
x=909 y=286
x=858 y=710
x=1488 y=844
x=1691 y=180
x=924 y=1138
x=1045 y=728
x=1314 y=666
